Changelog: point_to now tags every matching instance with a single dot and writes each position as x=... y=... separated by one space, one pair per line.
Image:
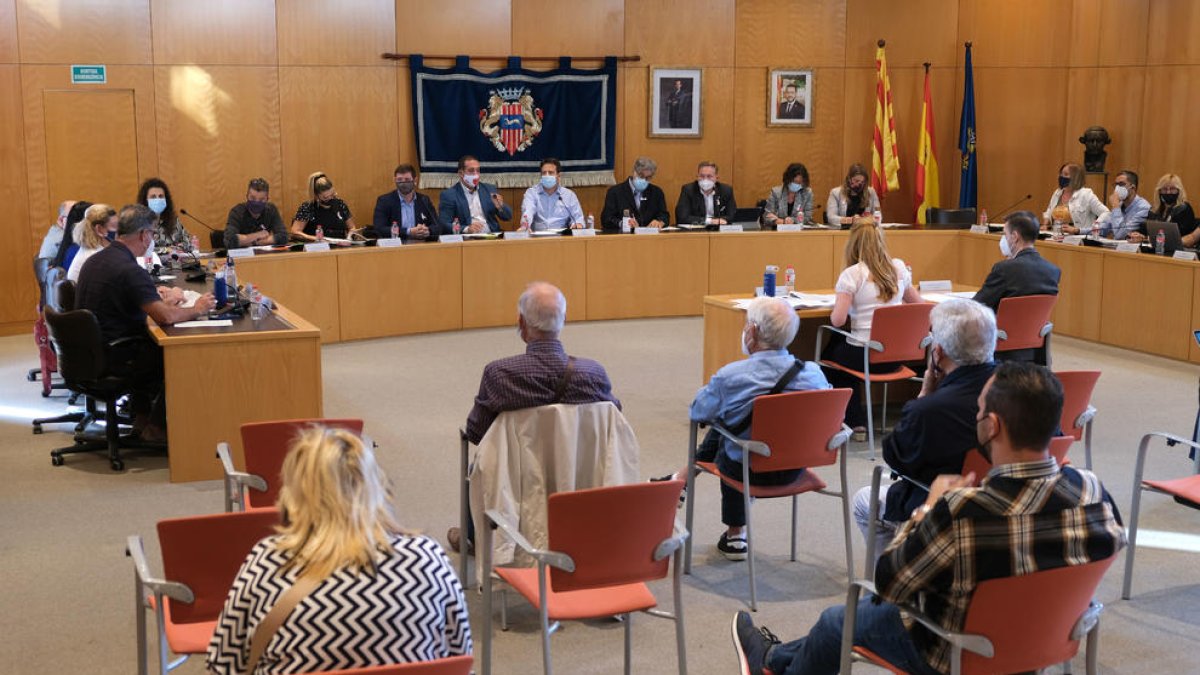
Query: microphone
x=1014 y=205
x=564 y=205
x=206 y=225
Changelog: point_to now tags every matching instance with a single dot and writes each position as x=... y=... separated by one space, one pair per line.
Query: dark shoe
x=454 y=538
x=752 y=644
x=732 y=548
x=671 y=476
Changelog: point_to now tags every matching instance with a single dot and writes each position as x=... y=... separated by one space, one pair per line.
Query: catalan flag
x=885 y=160
x=928 y=192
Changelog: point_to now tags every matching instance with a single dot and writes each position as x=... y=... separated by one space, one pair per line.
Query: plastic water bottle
x=789 y=279
x=525 y=224
x=395 y=230
x=625 y=226
x=591 y=222
x=878 y=217
x=456 y=228
x=195 y=242
x=1057 y=229
x=769 y=280
x=320 y=233
x=257 y=309
x=231 y=281
x=1160 y=243
x=220 y=291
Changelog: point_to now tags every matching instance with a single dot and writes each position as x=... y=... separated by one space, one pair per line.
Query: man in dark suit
x=410 y=211
x=1022 y=272
x=789 y=107
x=705 y=198
x=644 y=201
x=677 y=108
x=478 y=206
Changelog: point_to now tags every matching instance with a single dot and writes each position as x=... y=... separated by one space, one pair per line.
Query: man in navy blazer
x=645 y=201
x=1022 y=272
x=705 y=198
x=411 y=211
x=479 y=207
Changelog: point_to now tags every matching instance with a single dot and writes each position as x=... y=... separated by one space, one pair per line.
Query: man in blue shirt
x=1127 y=210
x=771 y=324
x=548 y=205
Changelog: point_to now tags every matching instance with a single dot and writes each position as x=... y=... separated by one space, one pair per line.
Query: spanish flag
x=928 y=194
x=885 y=160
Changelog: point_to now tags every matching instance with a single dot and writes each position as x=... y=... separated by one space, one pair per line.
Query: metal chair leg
x=795 y=513
x=628 y=642
x=691 y=494
x=749 y=537
x=547 y=666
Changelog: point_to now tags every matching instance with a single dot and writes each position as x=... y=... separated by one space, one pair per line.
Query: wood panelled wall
x=225 y=90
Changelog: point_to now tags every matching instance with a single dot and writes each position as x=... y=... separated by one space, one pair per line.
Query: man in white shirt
x=548 y=205
x=478 y=206
x=54 y=235
x=705 y=200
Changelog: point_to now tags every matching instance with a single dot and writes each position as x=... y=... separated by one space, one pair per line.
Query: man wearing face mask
x=643 y=200
x=1023 y=271
x=548 y=205
x=937 y=428
x=256 y=221
x=1028 y=515
x=1127 y=210
x=706 y=200
x=477 y=206
x=121 y=295
x=410 y=211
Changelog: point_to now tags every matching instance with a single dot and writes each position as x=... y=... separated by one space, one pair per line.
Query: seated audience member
x=396 y=596
x=791 y=202
x=535 y=378
x=871 y=279
x=1023 y=271
x=169 y=232
x=1072 y=205
x=54 y=236
x=1173 y=207
x=641 y=199
x=323 y=208
x=728 y=398
x=256 y=221
x=548 y=205
x=69 y=247
x=937 y=428
x=1028 y=515
x=706 y=199
x=97 y=229
x=477 y=206
x=1127 y=210
x=121 y=294
x=851 y=199
x=411 y=211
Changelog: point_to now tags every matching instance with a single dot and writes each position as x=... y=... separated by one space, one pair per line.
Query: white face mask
x=745 y=342
x=706 y=184
x=1005 y=249
x=1122 y=192
x=471 y=179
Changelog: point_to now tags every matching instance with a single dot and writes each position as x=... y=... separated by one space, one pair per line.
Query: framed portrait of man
x=675 y=102
x=790 y=97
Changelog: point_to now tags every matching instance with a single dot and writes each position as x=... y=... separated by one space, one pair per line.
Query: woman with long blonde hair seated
x=872 y=279
x=376 y=594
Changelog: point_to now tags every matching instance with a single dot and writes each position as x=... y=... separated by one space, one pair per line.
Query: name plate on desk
x=242 y=252
x=1184 y=255
x=645 y=230
x=789 y=227
x=451 y=239
x=1128 y=247
x=979 y=229
x=585 y=232
x=316 y=247
x=1073 y=240
x=517 y=234
x=730 y=228
x=936 y=286
x=389 y=243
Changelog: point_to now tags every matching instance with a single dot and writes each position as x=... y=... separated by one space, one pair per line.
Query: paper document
x=811 y=300
x=942 y=297
x=218 y=323
x=189 y=298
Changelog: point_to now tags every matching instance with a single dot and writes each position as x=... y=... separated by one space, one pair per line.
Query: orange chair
x=1024 y=323
x=794 y=430
x=975 y=461
x=1185 y=491
x=605 y=544
x=1056 y=611
x=898 y=333
x=451 y=665
x=201 y=556
x=264 y=445
x=1078 y=413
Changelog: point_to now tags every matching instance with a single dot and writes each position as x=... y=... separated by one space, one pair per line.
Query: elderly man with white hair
x=543 y=375
x=771 y=324
x=936 y=429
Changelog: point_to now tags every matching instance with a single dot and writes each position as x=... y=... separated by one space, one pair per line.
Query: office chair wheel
x=117 y=465
x=45 y=394
x=73 y=398
x=32 y=375
x=56 y=459
x=37 y=429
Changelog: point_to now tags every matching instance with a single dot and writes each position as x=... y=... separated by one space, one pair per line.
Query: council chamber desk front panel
x=1141 y=302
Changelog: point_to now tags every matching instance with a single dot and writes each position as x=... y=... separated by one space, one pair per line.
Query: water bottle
x=789 y=279
x=1160 y=243
x=195 y=242
x=1057 y=229
x=983 y=218
x=320 y=233
x=395 y=230
x=257 y=309
x=769 y=280
x=878 y=217
x=591 y=222
x=231 y=282
x=220 y=294
x=456 y=228
x=625 y=226
x=525 y=224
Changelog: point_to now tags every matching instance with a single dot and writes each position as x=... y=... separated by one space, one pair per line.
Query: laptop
x=1172 y=241
x=748 y=218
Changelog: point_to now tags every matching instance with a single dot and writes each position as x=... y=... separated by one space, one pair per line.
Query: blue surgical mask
x=157 y=205
x=640 y=184
x=549 y=182
x=794 y=187
x=110 y=235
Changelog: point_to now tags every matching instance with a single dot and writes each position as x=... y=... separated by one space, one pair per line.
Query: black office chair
x=60 y=296
x=82 y=360
x=949 y=219
x=216 y=240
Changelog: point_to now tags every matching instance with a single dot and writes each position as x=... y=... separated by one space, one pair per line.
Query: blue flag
x=968 y=185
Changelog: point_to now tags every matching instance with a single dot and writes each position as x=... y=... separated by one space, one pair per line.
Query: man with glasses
x=256 y=221
x=411 y=212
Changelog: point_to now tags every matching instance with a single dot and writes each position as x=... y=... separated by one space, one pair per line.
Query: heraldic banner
x=511 y=118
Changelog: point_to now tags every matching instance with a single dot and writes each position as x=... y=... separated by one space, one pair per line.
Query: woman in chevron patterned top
x=366 y=591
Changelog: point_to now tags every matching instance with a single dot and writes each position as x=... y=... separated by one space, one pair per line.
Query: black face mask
x=255 y=208
x=1063 y=181
x=1169 y=198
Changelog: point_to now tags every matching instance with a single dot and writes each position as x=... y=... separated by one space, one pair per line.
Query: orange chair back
x=975 y=461
x=206 y=552
x=611 y=533
x=451 y=665
x=265 y=444
x=1022 y=319
x=797 y=426
x=1029 y=618
x=1077 y=396
x=1059 y=445
x=900 y=329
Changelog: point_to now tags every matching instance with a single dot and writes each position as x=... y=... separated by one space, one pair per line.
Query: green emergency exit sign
x=89 y=74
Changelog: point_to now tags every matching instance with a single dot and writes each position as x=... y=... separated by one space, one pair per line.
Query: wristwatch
x=919 y=512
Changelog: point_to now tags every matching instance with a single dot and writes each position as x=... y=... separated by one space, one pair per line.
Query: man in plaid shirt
x=1028 y=515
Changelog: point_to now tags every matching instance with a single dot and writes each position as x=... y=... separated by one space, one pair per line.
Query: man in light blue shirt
x=1127 y=210
x=771 y=324
x=548 y=205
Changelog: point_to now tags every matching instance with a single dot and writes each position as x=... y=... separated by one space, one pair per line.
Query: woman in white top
x=852 y=198
x=93 y=233
x=871 y=279
x=1077 y=208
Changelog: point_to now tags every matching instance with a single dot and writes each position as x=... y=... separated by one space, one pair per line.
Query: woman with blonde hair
x=364 y=591
x=325 y=209
x=1173 y=207
x=97 y=229
x=871 y=279
x=1072 y=205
